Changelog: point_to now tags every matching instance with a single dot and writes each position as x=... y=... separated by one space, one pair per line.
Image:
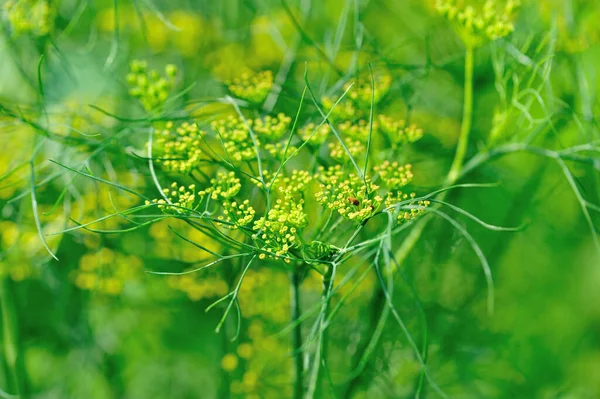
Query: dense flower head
x=237 y=213
x=295 y=183
x=198 y=286
x=353 y=197
x=148 y=86
x=235 y=135
x=355 y=136
x=278 y=150
x=397 y=132
x=315 y=134
x=29 y=16
x=394 y=175
x=355 y=148
x=224 y=186
x=359 y=130
x=106 y=271
x=180 y=147
x=476 y=23
x=252 y=87
x=362 y=93
x=410 y=210
x=178 y=198
x=270 y=128
x=279 y=231
x=344 y=110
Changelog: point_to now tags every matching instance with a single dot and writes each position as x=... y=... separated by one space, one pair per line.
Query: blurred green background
x=94 y=325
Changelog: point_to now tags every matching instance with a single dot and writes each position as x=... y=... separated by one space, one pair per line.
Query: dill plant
x=290 y=191
x=299 y=204
x=300 y=193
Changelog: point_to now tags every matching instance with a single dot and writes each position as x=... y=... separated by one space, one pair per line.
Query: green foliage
x=362 y=199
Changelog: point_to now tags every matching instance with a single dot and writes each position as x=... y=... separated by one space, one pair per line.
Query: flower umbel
x=353 y=197
x=475 y=24
x=180 y=147
x=253 y=87
x=148 y=86
x=178 y=198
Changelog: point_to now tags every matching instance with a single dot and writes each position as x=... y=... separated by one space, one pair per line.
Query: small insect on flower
x=353 y=201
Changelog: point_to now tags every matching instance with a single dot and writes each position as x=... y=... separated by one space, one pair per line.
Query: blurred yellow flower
x=229 y=362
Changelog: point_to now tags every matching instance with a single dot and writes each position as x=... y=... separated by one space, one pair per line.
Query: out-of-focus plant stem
x=296 y=333
x=314 y=388
x=458 y=162
x=10 y=346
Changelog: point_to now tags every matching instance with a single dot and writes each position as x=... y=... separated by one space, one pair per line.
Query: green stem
x=314 y=387
x=465 y=129
x=296 y=333
x=455 y=170
x=10 y=338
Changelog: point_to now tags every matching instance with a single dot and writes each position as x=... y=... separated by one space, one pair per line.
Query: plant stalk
x=459 y=157
x=296 y=333
x=314 y=387
x=467 y=120
x=10 y=346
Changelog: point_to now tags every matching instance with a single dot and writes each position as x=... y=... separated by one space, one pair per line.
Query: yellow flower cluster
x=337 y=151
x=397 y=132
x=278 y=150
x=314 y=134
x=237 y=142
x=224 y=186
x=180 y=198
x=29 y=16
x=253 y=87
x=295 y=183
x=16 y=264
x=180 y=147
x=198 y=286
x=350 y=117
x=270 y=128
x=263 y=357
x=239 y=214
x=347 y=194
x=476 y=24
x=362 y=93
x=148 y=86
x=344 y=110
x=356 y=130
x=235 y=134
x=258 y=298
x=355 y=136
x=106 y=271
x=141 y=23
x=394 y=175
x=357 y=103
x=280 y=229
x=404 y=215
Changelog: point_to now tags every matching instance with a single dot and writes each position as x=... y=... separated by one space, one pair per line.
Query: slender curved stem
x=459 y=157
x=465 y=129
